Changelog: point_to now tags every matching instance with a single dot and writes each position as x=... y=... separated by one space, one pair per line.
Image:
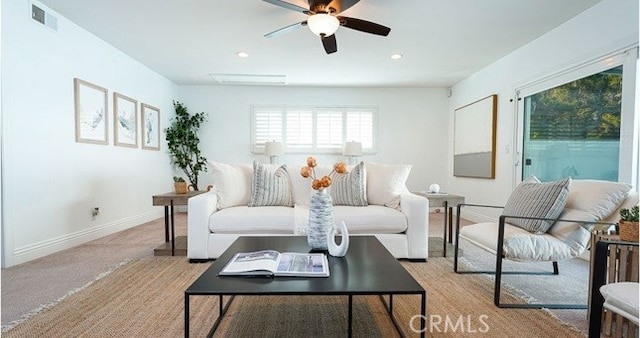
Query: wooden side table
x=622 y=266
x=168 y=200
x=447 y=202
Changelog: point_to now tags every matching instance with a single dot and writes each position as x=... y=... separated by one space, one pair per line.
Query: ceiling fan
x=324 y=20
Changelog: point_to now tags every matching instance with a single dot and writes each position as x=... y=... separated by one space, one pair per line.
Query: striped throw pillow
x=350 y=188
x=531 y=198
x=271 y=186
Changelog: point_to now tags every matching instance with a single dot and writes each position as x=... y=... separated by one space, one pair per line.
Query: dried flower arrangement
x=324 y=181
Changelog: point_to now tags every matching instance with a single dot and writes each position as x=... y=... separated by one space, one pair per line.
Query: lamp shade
x=323 y=24
x=273 y=148
x=352 y=149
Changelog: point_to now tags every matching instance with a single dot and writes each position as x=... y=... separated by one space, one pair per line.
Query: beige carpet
x=145 y=298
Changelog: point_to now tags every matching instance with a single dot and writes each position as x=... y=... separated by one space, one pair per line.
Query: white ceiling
x=443 y=41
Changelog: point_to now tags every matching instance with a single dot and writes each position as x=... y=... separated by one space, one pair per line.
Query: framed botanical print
x=150 y=123
x=125 y=121
x=90 y=105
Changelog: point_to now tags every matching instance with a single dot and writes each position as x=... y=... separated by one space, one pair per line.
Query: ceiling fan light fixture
x=323 y=24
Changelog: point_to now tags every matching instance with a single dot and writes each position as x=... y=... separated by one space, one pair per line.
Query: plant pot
x=180 y=187
x=628 y=231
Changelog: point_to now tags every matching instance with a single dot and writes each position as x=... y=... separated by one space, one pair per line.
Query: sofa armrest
x=200 y=208
x=416 y=208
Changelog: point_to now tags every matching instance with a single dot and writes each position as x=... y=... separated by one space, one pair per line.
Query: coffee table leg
x=350 y=318
x=186 y=316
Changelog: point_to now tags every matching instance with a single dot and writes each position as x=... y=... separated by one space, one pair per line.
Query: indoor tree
x=182 y=141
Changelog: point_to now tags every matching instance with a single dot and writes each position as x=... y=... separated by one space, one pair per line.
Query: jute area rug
x=145 y=298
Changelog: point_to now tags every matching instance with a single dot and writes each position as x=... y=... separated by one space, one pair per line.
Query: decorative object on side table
x=335 y=249
x=180 y=185
x=321 y=205
x=434 y=188
x=629 y=224
x=183 y=141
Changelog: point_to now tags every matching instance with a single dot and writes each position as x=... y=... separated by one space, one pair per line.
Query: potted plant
x=183 y=143
x=629 y=224
x=180 y=185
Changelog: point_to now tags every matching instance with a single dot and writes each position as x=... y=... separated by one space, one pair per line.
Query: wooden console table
x=168 y=200
x=447 y=202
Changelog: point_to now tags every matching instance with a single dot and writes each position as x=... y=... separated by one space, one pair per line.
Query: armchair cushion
x=531 y=198
x=519 y=244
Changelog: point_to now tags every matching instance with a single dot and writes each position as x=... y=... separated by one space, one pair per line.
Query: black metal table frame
x=223 y=307
x=166 y=228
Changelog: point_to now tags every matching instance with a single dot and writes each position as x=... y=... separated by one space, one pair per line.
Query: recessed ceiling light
x=242 y=54
x=396 y=56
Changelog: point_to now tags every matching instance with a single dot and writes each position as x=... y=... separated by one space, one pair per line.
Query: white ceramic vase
x=320 y=220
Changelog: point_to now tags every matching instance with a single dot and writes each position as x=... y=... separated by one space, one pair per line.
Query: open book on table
x=274 y=263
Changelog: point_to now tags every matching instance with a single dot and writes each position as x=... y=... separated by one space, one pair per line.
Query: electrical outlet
x=95 y=212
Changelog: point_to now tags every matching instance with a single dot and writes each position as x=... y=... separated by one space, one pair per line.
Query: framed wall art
x=150 y=123
x=90 y=104
x=125 y=121
x=474 y=148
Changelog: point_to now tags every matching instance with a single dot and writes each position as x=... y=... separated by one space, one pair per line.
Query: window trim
x=258 y=149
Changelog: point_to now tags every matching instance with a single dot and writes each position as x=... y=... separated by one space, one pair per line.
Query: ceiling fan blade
x=285 y=30
x=364 y=26
x=287 y=5
x=330 y=44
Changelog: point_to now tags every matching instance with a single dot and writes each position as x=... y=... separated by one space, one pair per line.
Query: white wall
x=604 y=28
x=411 y=124
x=50 y=182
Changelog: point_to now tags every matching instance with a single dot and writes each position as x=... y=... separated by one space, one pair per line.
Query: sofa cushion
x=270 y=186
x=253 y=220
x=371 y=219
x=622 y=297
x=350 y=188
x=231 y=183
x=531 y=198
x=385 y=183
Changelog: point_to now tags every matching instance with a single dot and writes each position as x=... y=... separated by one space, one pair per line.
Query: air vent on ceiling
x=39 y=15
x=249 y=79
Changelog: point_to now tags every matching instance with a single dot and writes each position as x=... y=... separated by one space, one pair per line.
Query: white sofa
x=398 y=218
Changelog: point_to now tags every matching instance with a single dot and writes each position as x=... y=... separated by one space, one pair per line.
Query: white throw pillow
x=270 y=186
x=385 y=183
x=232 y=183
x=350 y=188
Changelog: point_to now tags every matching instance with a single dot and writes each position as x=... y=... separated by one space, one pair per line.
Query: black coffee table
x=367 y=269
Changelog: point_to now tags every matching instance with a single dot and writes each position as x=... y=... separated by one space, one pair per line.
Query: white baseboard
x=43 y=248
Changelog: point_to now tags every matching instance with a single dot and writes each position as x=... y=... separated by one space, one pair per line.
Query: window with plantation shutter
x=268 y=125
x=313 y=129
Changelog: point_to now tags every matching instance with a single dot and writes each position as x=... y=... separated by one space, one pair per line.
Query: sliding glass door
x=574 y=129
x=581 y=123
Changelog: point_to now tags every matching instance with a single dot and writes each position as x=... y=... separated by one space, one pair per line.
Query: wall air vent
x=249 y=79
x=39 y=15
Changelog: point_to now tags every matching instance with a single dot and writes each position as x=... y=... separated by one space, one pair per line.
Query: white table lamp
x=273 y=149
x=353 y=150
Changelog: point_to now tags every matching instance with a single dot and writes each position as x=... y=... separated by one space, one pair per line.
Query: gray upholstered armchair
x=544 y=222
